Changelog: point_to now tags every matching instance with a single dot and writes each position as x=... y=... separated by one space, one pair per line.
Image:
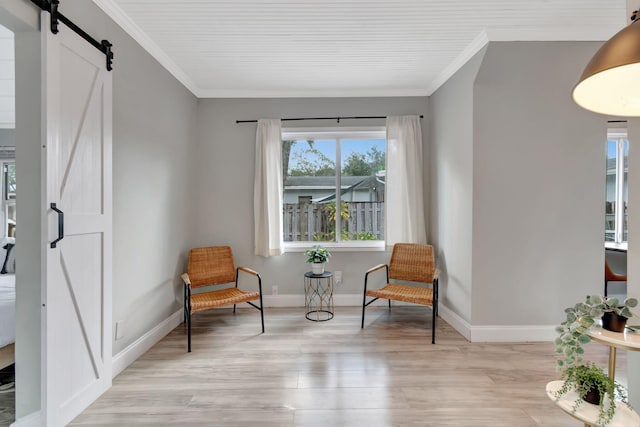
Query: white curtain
x=404 y=196
x=267 y=190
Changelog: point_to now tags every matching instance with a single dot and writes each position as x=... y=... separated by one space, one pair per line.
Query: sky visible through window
x=328 y=149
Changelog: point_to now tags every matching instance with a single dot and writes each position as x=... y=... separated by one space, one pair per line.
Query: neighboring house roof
x=315 y=182
x=349 y=183
x=318 y=182
x=611 y=166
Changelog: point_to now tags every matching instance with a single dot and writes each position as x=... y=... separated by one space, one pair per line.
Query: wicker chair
x=413 y=263
x=610 y=276
x=214 y=266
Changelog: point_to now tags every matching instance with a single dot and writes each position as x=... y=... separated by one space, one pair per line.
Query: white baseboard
x=339 y=300
x=458 y=323
x=519 y=333
x=483 y=333
x=31 y=420
x=497 y=333
x=140 y=346
x=283 y=300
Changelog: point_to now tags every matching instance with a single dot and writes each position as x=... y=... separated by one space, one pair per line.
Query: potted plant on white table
x=317 y=256
x=589 y=381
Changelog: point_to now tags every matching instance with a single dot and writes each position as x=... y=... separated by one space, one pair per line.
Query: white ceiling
x=271 y=48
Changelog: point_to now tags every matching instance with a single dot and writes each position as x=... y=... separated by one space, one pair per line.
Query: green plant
x=604 y=304
x=573 y=332
x=365 y=235
x=583 y=378
x=330 y=209
x=318 y=254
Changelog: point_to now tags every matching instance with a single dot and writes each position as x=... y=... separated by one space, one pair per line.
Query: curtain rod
x=322 y=118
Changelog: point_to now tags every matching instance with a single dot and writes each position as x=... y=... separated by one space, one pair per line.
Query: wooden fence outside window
x=314 y=221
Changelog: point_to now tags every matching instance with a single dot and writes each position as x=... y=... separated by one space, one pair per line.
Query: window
x=616 y=192
x=334 y=185
x=9 y=198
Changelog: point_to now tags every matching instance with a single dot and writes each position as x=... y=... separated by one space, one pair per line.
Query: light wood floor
x=303 y=373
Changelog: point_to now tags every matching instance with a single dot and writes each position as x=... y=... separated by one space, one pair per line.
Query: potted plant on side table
x=587 y=379
x=614 y=314
x=317 y=256
x=593 y=385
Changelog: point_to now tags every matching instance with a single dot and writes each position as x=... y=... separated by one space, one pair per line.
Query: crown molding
x=514 y=35
x=315 y=93
x=116 y=13
x=472 y=48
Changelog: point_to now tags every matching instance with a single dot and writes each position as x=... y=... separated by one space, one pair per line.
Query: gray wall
x=451 y=176
x=153 y=122
x=633 y=255
x=516 y=164
x=7 y=137
x=538 y=185
x=224 y=166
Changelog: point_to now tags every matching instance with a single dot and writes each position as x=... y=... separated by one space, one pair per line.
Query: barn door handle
x=60 y=224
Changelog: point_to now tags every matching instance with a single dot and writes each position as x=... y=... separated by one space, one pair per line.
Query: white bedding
x=7 y=309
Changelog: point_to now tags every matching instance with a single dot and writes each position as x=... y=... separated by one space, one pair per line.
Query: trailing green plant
x=582 y=379
x=317 y=254
x=573 y=332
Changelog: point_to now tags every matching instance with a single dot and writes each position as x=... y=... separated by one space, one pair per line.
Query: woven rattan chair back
x=212 y=265
x=412 y=262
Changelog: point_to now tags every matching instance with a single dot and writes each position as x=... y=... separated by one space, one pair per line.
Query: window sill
x=354 y=246
x=619 y=247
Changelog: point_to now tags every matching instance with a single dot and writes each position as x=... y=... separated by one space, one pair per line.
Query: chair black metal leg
x=261 y=303
x=364 y=299
x=262 y=317
x=234 y=309
x=389 y=304
x=606 y=283
x=187 y=315
x=434 y=311
x=189 y=332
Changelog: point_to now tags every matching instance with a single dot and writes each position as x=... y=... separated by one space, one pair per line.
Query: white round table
x=626 y=340
x=587 y=412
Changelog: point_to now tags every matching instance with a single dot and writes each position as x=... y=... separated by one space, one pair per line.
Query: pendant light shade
x=610 y=84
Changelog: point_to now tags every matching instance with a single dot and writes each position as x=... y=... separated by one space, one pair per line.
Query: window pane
x=11 y=220
x=362 y=189
x=309 y=173
x=610 y=203
x=9 y=181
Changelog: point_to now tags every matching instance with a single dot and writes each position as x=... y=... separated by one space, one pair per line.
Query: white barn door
x=77 y=296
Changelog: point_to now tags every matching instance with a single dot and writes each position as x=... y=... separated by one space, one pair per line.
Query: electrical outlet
x=119 y=330
x=274 y=290
x=338 y=276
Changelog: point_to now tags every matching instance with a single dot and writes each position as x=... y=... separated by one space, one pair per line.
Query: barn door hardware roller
x=52 y=6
